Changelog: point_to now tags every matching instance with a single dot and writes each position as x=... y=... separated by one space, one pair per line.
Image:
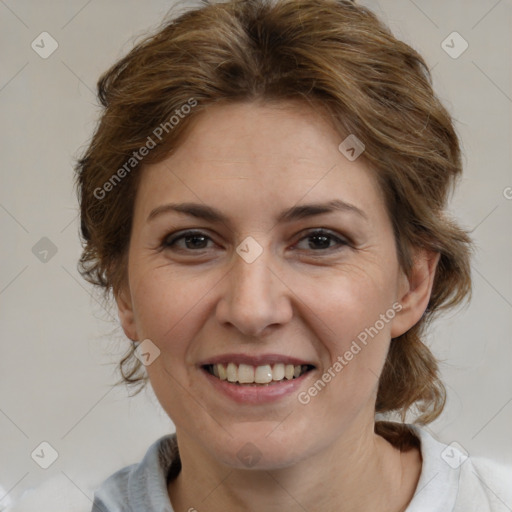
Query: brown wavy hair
x=333 y=55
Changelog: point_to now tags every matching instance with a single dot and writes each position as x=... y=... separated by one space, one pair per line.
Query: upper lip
x=254 y=360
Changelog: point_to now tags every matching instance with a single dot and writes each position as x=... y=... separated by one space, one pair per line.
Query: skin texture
x=301 y=297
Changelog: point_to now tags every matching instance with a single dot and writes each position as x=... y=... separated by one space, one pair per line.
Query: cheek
x=168 y=307
x=352 y=317
x=349 y=301
x=170 y=311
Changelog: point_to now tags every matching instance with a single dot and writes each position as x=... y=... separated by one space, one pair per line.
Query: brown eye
x=321 y=240
x=190 y=240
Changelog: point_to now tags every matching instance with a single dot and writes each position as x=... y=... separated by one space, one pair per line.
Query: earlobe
x=126 y=314
x=415 y=291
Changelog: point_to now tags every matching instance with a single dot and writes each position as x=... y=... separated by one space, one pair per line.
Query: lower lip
x=257 y=394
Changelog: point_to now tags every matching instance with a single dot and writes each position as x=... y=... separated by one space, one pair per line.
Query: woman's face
x=263 y=288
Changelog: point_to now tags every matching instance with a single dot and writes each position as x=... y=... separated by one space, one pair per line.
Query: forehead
x=264 y=153
x=259 y=136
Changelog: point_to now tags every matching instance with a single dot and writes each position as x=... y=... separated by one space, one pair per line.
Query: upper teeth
x=247 y=374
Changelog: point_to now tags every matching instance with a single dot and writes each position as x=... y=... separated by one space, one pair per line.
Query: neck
x=362 y=471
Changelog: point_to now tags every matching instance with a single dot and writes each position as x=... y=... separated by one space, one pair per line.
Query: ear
x=415 y=291
x=125 y=311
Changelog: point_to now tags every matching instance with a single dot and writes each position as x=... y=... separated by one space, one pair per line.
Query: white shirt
x=452 y=482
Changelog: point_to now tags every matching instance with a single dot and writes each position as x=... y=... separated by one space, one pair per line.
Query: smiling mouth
x=264 y=375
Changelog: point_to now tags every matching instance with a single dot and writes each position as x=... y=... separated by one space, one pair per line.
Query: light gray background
x=59 y=346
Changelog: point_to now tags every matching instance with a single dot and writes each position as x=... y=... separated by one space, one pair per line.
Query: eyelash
x=170 y=241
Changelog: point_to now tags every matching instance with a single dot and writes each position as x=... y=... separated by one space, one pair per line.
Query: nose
x=254 y=298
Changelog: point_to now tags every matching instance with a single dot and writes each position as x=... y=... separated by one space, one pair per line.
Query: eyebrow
x=213 y=215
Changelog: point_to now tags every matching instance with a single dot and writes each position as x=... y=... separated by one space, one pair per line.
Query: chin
x=261 y=448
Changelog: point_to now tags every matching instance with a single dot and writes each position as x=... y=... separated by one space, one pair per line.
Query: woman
x=265 y=198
